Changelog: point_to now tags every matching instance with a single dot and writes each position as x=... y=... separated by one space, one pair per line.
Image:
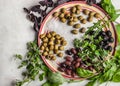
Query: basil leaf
x=41 y=76
x=116 y=76
x=84 y=73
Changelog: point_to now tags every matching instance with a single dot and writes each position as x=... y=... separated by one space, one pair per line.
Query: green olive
x=63 y=20
x=72 y=14
x=75 y=19
x=67 y=15
x=52 y=39
x=82 y=30
x=44 y=44
x=57 y=42
x=45 y=39
x=48 y=35
x=90 y=18
x=51 y=47
x=42 y=47
x=47 y=49
x=97 y=15
x=45 y=53
x=73 y=9
x=53 y=58
x=64 y=43
x=62 y=38
x=63 y=10
x=53 y=33
x=74 y=31
x=61 y=47
x=77 y=26
x=55 y=14
x=86 y=12
x=61 y=15
x=42 y=35
x=57 y=36
x=56 y=47
x=70 y=23
x=78 y=7
x=51 y=43
x=70 y=18
x=84 y=21
x=91 y=13
x=80 y=17
x=60 y=54
x=77 y=12
x=55 y=51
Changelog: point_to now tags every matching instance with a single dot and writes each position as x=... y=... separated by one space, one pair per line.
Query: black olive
x=106 y=42
x=63 y=65
x=111 y=39
x=102 y=33
x=102 y=43
x=69 y=67
x=68 y=52
x=105 y=47
x=105 y=38
x=78 y=49
x=109 y=48
x=108 y=33
x=76 y=57
x=91 y=32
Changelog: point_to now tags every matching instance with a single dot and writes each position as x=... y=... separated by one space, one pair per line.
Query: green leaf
x=18 y=56
x=56 y=78
x=47 y=84
x=118 y=31
x=84 y=73
x=77 y=43
x=91 y=83
x=116 y=76
x=41 y=76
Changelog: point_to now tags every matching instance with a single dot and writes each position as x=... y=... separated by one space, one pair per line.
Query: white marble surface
x=15 y=32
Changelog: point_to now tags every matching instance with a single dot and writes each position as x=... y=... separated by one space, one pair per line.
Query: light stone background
x=15 y=32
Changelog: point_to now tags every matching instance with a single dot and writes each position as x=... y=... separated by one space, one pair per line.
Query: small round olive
x=50 y=52
x=74 y=31
x=77 y=26
x=48 y=35
x=53 y=57
x=52 y=39
x=67 y=15
x=78 y=7
x=61 y=48
x=72 y=14
x=44 y=44
x=90 y=18
x=77 y=12
x=55 y=14
x=61 y=15
x=56 y=47
x=97 y=15
x=64 y=43
x=51 y=47
x=91 y=13
x=86 y=12
x=57 y=36
x=70 y=23
x=57 y=42
x=73 y=9
x=63 y=20
x=60 y=54
x=42 y=47
x=75 y=19
x=55 y=51
x=45 y=39
x=80 y=17
x=63 y=10
x=82 y=30
x=45 y=53
x=46 y=49
x=70 y=18
x=53 y=33
x=62 y=38
x=51 y=43
x=84 y=21
x=42 y=35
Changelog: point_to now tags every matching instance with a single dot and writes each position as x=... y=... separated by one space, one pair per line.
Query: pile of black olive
x=107 y=39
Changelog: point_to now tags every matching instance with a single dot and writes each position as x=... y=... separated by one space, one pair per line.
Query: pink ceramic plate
x=50 y=23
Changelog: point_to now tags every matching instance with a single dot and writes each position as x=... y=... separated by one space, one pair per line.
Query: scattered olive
x=90 y=18
x=63 y=43
x=63 y=10
x=97 y=15
x=53 y=33
x=77 y=26
x=75 y=19
x=77 y=12
x=70 y=18
x=86 y=12
x=84 y=21
x=72 y=14
x=74 y=31
x=60 y=54
x=80 y=17
x=78 y=7
x=70 y=23
x=82 y=30
x=63 y=20
x=73 y=9
x=67 y=16
x=61 y=15
x=91 y=13
x=55 y=14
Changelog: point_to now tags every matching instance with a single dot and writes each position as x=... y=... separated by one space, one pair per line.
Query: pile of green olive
x=52 y=44
x=73 y=15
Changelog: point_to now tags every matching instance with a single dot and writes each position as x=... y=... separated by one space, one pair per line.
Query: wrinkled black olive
x=109 y=48
x=108 y=33
x=111 y=39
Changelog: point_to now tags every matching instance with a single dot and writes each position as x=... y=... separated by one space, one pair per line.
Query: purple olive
x=73 y=50
x=68 y=58
x=68 y=52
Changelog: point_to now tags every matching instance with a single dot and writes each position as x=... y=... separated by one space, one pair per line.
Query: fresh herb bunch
x=34 y=65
